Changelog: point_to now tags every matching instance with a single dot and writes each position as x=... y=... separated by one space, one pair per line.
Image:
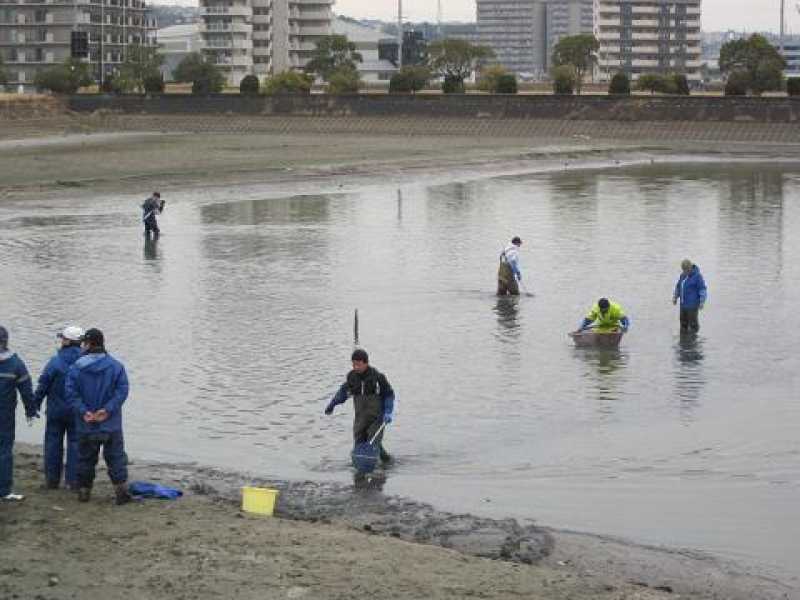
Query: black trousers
x=689 y=320
x=151 y=224
x=113 y=446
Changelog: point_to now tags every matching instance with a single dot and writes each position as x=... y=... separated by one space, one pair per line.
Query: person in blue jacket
x=14 y=379
x=96 y=388
x=692 y=292
x=373 y=398
x=60 y=418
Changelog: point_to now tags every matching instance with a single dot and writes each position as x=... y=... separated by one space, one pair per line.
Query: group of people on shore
x=85 y=388
x=606 y=315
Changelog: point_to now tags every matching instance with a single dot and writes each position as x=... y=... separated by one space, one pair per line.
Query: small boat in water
x=590 y=338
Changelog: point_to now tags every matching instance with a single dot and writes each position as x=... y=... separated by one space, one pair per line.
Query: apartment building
x=35 y=34
x=523 y=33
x=515 y=30
x=648 y=36
x=262 y=37
x=566 y=18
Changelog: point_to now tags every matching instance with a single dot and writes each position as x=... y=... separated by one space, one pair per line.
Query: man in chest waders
x=508 y=273
x=373 y=398
x=153 y=206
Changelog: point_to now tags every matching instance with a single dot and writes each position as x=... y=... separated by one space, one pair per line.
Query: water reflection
x=689 y=375
x=604 y=368
x=507 y=310
x=151 y=248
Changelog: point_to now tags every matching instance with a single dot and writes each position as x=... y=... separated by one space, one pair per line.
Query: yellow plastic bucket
x=259 y=501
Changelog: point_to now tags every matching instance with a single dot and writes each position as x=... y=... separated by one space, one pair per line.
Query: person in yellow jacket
x=607 y=316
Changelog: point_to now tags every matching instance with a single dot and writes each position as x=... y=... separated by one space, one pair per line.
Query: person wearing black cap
x=508 y=273
x=14 y=379
x=607 y=316
x=373 y=398
x=153 y=206
x=96 y=388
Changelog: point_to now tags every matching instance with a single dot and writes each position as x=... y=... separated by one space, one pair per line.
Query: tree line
x=750 y=66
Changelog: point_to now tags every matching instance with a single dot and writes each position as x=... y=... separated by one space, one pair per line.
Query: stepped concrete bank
x=656 y=119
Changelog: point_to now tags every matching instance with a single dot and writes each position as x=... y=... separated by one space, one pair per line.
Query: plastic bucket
x=259 y=501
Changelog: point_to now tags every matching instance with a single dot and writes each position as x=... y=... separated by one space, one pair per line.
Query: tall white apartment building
x=648 y=36
x=262 y=37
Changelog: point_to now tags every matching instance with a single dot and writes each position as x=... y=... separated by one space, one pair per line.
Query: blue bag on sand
x=143 y=489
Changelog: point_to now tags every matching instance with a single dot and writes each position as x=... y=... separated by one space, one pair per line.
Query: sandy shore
x=330 y=542
x=202 y=546
x=69 y=155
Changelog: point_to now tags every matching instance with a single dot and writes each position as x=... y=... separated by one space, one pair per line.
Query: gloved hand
x=674 y=301
x=329 y=408
x=519 y=276
x=388 y=418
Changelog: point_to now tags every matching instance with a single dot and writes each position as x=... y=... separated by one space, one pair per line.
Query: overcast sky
x=749 y=15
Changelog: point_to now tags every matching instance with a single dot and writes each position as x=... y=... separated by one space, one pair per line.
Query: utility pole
x=399 y=34
x=783 y=22
x=102 y=33
x=439 y=16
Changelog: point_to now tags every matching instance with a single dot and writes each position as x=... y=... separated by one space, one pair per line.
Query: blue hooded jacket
x=14 y=378
x=52 y=382
x=691 y=289
x=97 y=381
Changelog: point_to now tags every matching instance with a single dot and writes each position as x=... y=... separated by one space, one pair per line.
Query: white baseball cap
x=72 y=333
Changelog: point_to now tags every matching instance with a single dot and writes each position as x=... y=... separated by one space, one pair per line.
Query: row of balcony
x=109 y=4
x=241 y=10
x=695 y=23
x=609 y=7
x=641 y=62
x=615 y=36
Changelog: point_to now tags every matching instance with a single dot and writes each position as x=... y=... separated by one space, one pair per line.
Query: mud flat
x=329 y=541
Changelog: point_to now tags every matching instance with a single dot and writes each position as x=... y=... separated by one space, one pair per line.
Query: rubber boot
x=84 y=494
x=123 y=496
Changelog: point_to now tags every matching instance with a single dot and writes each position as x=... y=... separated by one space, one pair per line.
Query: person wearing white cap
x=60 y=416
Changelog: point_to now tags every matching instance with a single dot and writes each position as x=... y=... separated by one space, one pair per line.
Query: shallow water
x=236 y=327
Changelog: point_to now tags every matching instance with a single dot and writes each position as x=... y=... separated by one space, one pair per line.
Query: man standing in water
x=608 y=317
x=373 y=398
x=153 y=206
x=14 y=378
x=96 y=388
x=60 y=418
x=692 y=291
x=508 y=273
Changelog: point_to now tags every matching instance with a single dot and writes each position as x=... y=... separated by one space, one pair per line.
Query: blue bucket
x=365 y=455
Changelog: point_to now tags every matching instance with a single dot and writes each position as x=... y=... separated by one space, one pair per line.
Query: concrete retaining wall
x=571 y=108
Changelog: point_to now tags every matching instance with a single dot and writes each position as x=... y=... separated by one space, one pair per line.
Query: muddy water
x=236 y=327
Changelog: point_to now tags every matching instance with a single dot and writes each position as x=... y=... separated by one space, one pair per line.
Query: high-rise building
x=262 y=37
x=648 y=36
x=566 y=18
x=523 y=33
x=226 y=33
x=37 y=34
x=516 y=31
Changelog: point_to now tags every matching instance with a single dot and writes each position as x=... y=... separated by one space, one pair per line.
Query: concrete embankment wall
x=582 y=108
x=655 y=119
